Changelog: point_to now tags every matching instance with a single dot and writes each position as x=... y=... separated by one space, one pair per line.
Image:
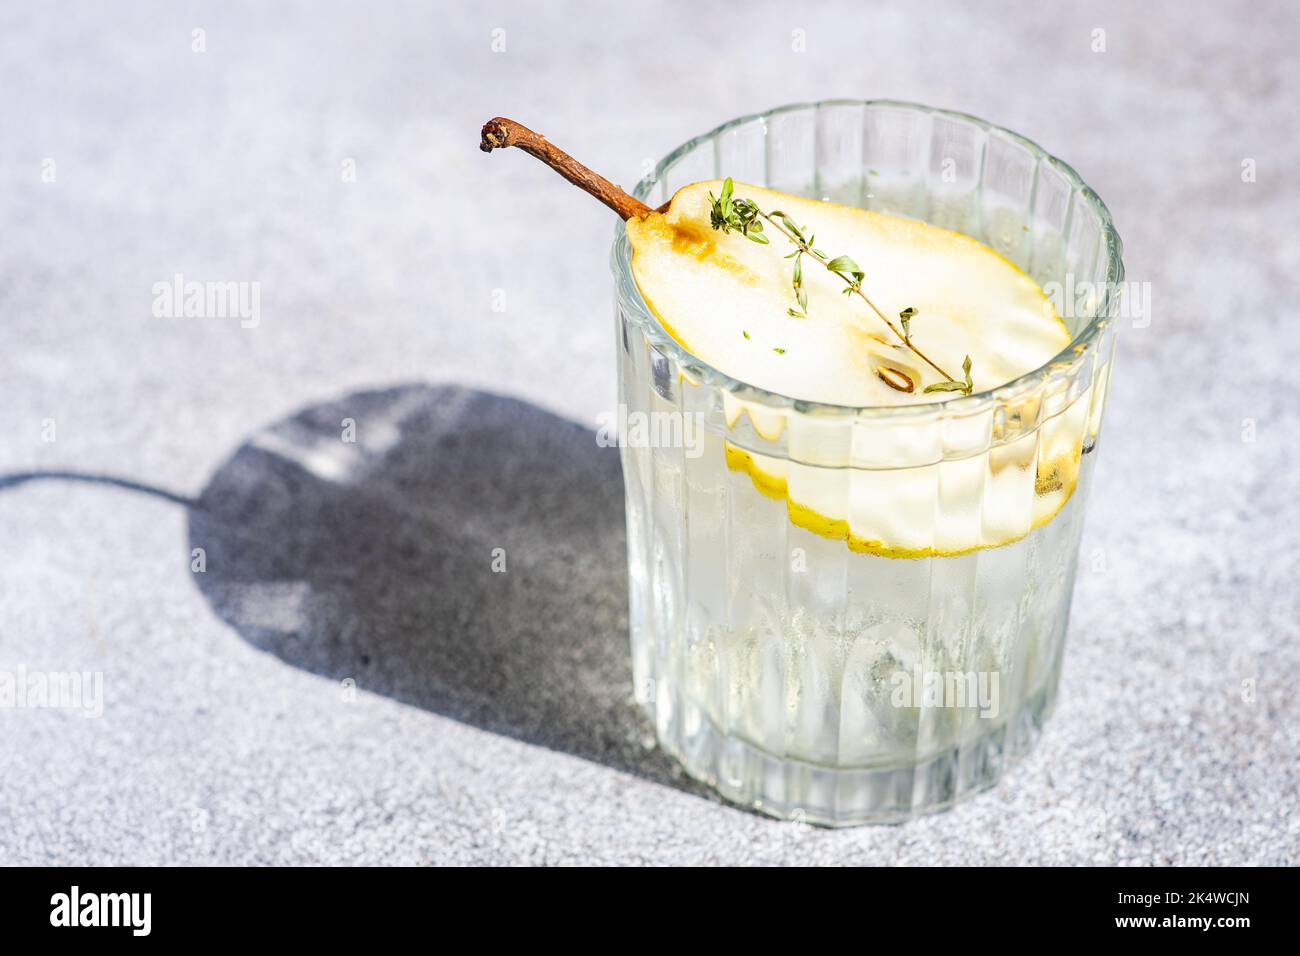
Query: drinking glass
x=847 y=615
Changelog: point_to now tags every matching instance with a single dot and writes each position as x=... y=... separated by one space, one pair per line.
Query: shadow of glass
x=377 y=559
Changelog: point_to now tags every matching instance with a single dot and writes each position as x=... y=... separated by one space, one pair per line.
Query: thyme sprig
x=905 y=319
x=731 y=214
x=740 y=214
x=952 y=385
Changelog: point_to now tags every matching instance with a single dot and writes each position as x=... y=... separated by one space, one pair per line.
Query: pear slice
x=726 y=299
x=894 y=493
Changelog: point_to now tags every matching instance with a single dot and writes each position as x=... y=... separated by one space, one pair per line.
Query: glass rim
x=630 y=299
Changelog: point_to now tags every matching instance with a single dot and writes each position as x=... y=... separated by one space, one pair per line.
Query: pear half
x=726 y=298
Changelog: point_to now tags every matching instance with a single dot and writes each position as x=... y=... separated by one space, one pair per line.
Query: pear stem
x=500 y=133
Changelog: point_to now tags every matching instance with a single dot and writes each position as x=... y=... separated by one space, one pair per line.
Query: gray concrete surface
x=488 y=718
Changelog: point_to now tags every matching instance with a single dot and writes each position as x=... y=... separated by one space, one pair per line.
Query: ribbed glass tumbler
x=849 y=615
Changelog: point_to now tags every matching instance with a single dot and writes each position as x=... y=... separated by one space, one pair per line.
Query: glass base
x=802 y=792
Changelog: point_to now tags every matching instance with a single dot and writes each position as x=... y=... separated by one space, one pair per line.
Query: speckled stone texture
x=348 y=681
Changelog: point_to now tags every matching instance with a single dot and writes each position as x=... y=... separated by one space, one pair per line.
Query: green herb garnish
x=952 y=385
x=728 y=213
x=906 y=318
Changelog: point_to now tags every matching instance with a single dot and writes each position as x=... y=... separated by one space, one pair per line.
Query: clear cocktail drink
x=850 y=614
